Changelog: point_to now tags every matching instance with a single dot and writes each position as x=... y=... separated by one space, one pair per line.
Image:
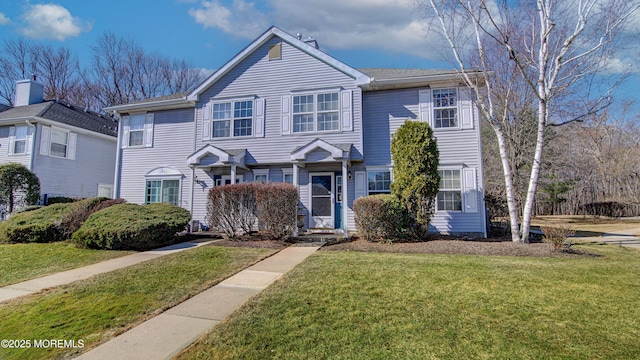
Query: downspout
x=116 y=178
x=33 y=145
x=191 y=190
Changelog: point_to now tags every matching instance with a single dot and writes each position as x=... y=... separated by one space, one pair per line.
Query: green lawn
x=20 y=262
x=103 y=306
x=348 y=305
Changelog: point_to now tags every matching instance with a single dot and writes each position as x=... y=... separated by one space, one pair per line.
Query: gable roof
x=62 y=113
x=387 y=78
x=300 y=44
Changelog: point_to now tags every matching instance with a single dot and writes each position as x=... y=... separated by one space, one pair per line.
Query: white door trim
x=322 y=222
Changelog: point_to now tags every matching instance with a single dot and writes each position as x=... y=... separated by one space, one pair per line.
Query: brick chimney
x=28 y=92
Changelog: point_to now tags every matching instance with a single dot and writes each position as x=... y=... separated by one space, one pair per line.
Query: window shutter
x=148 y=130
x=45 y=140
x=347 y=110
x=465 y=107
x=206 y=122
x=286 y=121
x=424 y=97
x=470 y=190
x=71 y=146
x=12 y=139
x=125 y=131
x=259 y=129
x=29 y=139
x=361 y=184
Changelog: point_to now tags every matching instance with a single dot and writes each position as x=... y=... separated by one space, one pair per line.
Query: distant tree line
x=120 y=70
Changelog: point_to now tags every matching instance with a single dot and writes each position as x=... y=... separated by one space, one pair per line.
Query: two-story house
x=70 y=149
x=283 y=110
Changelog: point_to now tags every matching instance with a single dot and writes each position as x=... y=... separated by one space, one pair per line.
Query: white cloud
x=51 y=21
x=3 y=19
x=388 y=25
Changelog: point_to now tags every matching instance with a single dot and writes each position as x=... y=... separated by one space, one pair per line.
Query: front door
x=322 y=200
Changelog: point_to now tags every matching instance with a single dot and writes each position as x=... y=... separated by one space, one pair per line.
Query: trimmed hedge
x=51 y=223
x=381 y=217
x=132 y=227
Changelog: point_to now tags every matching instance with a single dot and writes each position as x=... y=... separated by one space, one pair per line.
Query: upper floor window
x=236 y=115
x=445 y=107
x=136 y=129
x=316 y=112
x=450 y=195
x=20 y=142
x=59 y=142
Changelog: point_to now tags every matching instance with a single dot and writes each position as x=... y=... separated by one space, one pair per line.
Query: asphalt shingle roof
x=64 y=114
x=388 y=73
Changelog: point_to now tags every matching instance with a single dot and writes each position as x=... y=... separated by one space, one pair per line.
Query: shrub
x=277 y=206
x=132 y=227
x=18 y=186
x=60 y=200
x=556 y=237
x=80 y=211
x=416 y=180
x=38 y=225
x=380 y=217
x=27 y=208
x=231 y=209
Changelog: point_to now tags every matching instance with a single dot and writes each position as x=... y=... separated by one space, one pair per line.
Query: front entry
x=322 y=199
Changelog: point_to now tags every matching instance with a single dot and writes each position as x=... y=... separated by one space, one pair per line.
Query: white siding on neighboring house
x=7 y=138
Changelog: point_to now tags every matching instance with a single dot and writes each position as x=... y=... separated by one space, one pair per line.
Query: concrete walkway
x=170 y=332
x=62 y=278
x=624 y=238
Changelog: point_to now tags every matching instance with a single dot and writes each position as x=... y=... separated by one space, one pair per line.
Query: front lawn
x=351 y=305
x=588 y=225
x=96 y=309
x=20 y=262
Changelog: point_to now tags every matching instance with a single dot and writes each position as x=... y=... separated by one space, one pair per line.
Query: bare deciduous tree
x=555 y=48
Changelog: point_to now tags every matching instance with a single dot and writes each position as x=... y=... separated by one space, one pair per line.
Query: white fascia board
x=361 y=78
x=417 y=81
x=180 y=103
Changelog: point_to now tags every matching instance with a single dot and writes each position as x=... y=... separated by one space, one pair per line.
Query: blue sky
x=361 y=33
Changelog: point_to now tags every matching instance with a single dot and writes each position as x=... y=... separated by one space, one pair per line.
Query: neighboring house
x=284 y=111
x=70 y=149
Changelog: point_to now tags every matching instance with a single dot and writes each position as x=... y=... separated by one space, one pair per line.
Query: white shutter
x=71 y=146
x=465 y=108
x=286 y=120
x=125 y=131
x=470 y=190
x=206 y=122
x=347 y=110
x=258 y=125
x=425 y=99
x=12 y=139
x=361 y=184
x=45 y=140
x=29 y=139
x=148 y=130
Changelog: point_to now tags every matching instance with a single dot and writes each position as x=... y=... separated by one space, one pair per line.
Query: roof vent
x=299 y=36
x=311 y=41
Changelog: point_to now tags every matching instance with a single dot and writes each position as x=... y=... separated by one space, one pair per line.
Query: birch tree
x=556 y=49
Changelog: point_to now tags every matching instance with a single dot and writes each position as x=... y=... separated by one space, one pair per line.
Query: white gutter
x=116 y=178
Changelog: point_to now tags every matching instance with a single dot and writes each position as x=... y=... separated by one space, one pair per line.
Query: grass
x=587 y=225
x=20 y=262
x=103 y=306
x=346 y=305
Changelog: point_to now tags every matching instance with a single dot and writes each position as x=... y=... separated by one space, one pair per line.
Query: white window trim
x=162 y=179
x=287 y=171
x=315 y=112
x=106 y=186
x=457 y=107
x=15 y=140
x=460 y=169
x=239 y=179
x=231 y=119
x=66 y=153
x=144 y=120
x=261 y=172
x=378 y=169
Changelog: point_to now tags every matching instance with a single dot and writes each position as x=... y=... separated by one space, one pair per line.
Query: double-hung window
x=136 y=129
x=316 y=112
x=163 y=190
x=59 y=142
x=236 y=115
x=287 y=175
x=379 y=182
x=445 y=108
x=20 y=142
x=450 y=195
x=261 y=175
